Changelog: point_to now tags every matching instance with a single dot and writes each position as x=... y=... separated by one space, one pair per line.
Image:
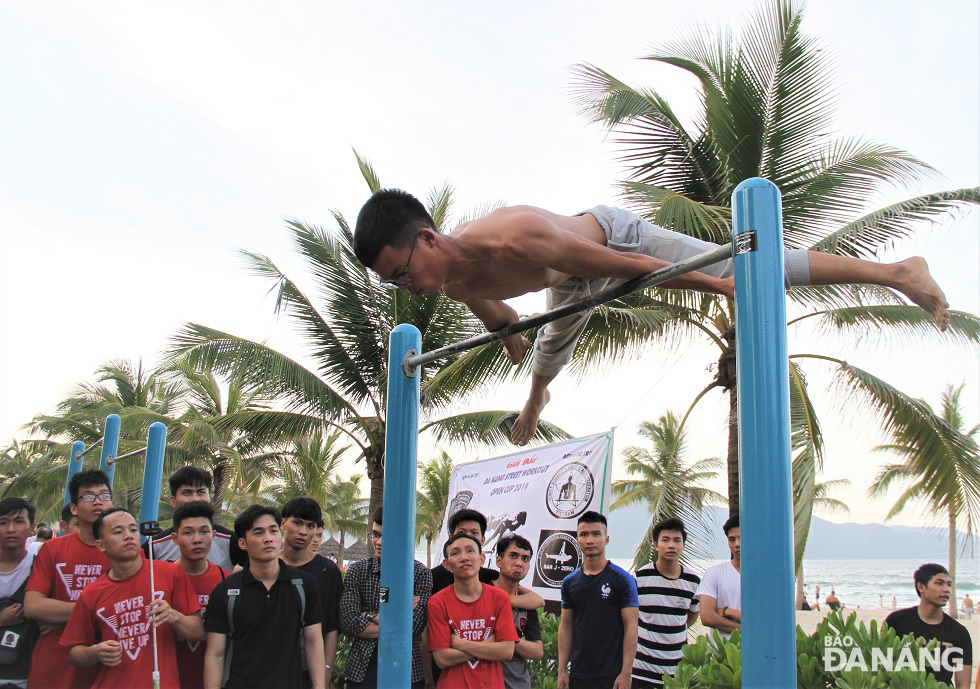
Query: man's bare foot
x=916 y=283
x=527 y=421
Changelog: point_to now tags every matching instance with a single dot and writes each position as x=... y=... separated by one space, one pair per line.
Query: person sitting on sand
x=521 y=249
x=833 y=602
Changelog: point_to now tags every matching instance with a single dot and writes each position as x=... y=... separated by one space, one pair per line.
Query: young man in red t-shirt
x=110 y=627
x=194 y=533
x=471 y=627
x=62 y=569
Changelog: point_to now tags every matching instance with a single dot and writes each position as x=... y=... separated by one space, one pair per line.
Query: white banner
x=539 y=494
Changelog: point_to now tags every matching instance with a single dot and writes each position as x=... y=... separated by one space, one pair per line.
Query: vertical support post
x=110 y=445
x=74 y=465
x=398 y=552
x=765 y=472
x=156 y=441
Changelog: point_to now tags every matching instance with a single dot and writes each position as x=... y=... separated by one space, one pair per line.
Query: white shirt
x=11 y=581
x=723 y=583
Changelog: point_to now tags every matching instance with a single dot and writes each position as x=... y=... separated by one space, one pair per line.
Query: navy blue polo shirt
x=597 y=622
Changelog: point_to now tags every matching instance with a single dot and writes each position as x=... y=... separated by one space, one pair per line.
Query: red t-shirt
x=476 y=621
x=190 y=654
x=62 y=568
x=110 y=609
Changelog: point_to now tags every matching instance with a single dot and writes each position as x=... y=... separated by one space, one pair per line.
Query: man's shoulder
x=902 y=618
x=359 y=566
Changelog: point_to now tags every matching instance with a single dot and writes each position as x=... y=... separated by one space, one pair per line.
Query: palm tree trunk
x=428 y=551
x=799 y=589
x=219 y=476
x=952 y=563
x=374 y=463
x=340 y=552
x=733 y=488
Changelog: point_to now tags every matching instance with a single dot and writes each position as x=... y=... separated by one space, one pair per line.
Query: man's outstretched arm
x=495 y=314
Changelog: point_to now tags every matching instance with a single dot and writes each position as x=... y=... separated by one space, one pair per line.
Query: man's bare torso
x=496 y=268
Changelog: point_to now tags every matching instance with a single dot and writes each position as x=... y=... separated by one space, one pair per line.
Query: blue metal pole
x=398 y=550
x=153 y=473
x=110 y=445
x=74 y=465
x=766 y=502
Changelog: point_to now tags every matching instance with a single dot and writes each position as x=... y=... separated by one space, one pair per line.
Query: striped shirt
x=664 y=607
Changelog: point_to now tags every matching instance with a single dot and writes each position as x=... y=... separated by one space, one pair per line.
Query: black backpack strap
x=233 y=594
x=301 y=594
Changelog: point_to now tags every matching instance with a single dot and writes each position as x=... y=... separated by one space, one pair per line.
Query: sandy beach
x=809 y=619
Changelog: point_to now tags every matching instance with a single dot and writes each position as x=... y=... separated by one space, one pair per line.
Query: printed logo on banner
x=558 y=556
x=570 y=491
x=460 y=501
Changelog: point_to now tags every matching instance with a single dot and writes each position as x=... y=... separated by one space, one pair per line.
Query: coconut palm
x=346 y=513
x=667 y=485
x=432 y=500
x=345 y=322
x=940 y=468
x=31 y=469
x=310 y=468
x=767 y=97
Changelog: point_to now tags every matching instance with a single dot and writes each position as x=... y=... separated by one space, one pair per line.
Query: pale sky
x=141 y=144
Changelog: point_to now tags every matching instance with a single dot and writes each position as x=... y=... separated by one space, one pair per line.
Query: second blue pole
x=398 y=549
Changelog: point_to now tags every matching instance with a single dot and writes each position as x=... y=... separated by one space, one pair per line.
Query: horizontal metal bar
x=97 y=443
x=665 y=274
x=112 y=460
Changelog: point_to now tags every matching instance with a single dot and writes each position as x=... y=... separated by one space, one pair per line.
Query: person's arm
x=188 y=627
x=495 y=314
x=631 y=618
x=40 y=608
x=330 y=653
x=313 y=640
x=564 y=646
x=352 y=622
x=712 y=616
x=692 y=617
x=961 y=678
x=490 y=649
x=450 y=657
x=107 y=652
x=214 y=661
x=526 y=599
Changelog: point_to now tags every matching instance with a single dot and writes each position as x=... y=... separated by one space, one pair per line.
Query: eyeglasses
x=90 y=497
x=403 y=279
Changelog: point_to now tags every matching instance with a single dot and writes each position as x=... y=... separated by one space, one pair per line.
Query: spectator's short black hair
x=732 y=523
x=44 y=533
x=924 y=574
x=305 y=508
x=515 y=540
x=192 y=510
x=593 y=517
x=456 y=537
x=66 y=515
x=247 y=518
x=100 y=520
x=391 y=217
x=670 y=524
x=468 y=515
x=189 y=476
x=378 y=516
x=11 y=506
x=87 y=479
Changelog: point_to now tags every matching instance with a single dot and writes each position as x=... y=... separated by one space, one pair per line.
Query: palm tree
x=432 y=500
x=346 y=513
x=346 y=327
x=821 y=501
x=666 y=484
x=34 y=470
x=941 y=467
x=310 y=468
x=767 y=103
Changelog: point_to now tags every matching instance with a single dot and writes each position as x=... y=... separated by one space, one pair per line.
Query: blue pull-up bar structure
x=766 y=506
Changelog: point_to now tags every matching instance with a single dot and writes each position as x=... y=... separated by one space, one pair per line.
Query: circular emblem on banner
x=570 y=491
x=558 y=556
x=460 y=501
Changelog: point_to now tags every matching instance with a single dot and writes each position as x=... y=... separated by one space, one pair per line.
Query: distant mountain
x=827 y=541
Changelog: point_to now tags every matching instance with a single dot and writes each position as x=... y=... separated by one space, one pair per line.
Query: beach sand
x=809 y=619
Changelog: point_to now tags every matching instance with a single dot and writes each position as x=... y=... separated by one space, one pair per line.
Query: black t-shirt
x=949 y=632
x=330 y=585
x=443 y=578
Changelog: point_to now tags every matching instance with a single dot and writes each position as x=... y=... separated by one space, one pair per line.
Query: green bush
x=717 y=663
x=544 y=672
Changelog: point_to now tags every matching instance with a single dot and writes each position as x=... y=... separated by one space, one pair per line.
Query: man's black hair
x=97 y=525
x=593 y=517
x=924 y=574
x=732 y=523
x=669 y=524
x=251 y=513
x=44 y=533
x=305 y=508
x=468 y=515
x=11 y=506
x=192 y=510
x=66 y=514
x=455 y=537
x=87 y=479
x=189 y=476
x=515 y=540
x=378 y=515
x=391 y=217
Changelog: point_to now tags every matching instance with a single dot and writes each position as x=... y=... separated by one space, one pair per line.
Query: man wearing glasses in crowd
x=62 y=569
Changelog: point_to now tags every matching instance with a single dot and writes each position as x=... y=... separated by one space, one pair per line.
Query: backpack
x=233 y=594
x=17 y=641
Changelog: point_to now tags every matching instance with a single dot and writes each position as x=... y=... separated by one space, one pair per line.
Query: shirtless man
x=513 y=251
